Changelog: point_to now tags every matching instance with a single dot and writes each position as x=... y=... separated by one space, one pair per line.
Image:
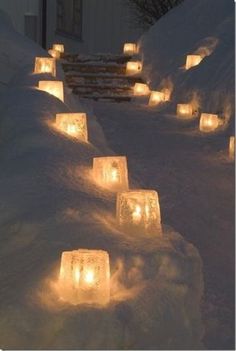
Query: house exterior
x=85 y=26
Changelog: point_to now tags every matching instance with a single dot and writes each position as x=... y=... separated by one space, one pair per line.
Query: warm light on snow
x=208 y=122
x=141 y=89
x=156 y=98
x=54 y=53
x=111 y=172
x=85 y=277
x=167 y=93
x=192 y=60
x=133 y=67
x=45 y=65
x=232 y=147
x=184 y=111
x=139 y=210
x=74 y=124
x=58 y=47
x=53 y=87
x=130 y=48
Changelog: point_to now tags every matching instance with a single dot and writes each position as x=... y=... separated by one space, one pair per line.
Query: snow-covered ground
x=49 y=203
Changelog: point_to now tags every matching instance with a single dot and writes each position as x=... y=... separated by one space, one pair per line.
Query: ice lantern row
x=208 y=122
x=130 y=49
x=85 y=277
x=73 y=124
x=53 y=87
x=139 y=211
x=111 y=172
x=192 y=60
x=45 y=65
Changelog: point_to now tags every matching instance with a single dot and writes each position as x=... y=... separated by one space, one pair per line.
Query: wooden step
x=94 y=67
x=96 y=58
x=74 y=77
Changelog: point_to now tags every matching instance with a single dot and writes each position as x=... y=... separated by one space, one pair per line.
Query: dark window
x=69 y=17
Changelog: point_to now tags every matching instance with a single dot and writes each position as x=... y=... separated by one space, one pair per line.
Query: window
x=69 y=17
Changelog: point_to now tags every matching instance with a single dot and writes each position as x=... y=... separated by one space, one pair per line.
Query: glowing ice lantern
x=45 y=65
x=133 y=67
x=156 y=98
x=141 y=89
x=85 y=277
x=111 y=172
x=58 y=47
x=53 y=87
x=54 y=53
x=184 y=111
x=208 y=122
x=231 y=147
x=139 y=210
x=192 y=60
x=130 y=48
x=74 y=124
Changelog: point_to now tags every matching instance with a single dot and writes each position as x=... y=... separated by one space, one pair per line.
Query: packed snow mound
x=204 y=27
x=16 y=50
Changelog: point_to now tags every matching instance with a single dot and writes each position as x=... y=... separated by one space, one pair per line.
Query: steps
x=100 y=76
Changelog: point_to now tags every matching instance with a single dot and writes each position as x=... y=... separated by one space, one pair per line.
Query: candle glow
x=52 y=87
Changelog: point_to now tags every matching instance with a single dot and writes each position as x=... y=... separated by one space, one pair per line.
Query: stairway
x=101 y=76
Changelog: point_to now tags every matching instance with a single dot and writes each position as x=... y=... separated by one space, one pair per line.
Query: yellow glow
x=192 y=60
x=111 y=172
x=208 y=122
x=52 y=87
x=139 y=210
x=45 y=65
x=141 y=89
x=89 y=277
x=73 y=124
x=156 y=98
x=167 y=94
x=86 y=277
x=232 y=147
x=58 y=47
x=133 y=67
x=184 y=111
x=130 y=48
x=54 y=53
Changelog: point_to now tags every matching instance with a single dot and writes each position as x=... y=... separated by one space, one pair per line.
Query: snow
x=194 y=27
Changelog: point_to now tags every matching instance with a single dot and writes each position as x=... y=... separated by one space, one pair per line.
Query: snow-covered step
x=96 y=58
x=95 y=67
x=73 y=76
x=106 y=96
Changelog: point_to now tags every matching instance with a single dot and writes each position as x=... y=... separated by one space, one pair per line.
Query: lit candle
x=114 y=174
x=184 y=111
x=208 y=122
x=141 y=89
x=130 y=48
x=133 y=67
x=156 y=98
x=137 y=214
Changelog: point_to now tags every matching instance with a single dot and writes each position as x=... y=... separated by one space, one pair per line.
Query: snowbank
x=49 y=204
x=204 y=27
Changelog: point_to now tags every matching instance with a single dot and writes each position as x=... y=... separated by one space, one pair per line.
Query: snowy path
x=196 y=187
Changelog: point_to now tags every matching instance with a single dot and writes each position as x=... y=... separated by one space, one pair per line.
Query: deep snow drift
x=49 y=204
x=204 y=27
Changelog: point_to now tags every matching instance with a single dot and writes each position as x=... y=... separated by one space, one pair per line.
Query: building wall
x=17 y=9
x=106 y=25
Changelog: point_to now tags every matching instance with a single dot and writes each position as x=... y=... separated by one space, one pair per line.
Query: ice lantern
x=74 y=124
x=85 y=277
x=111 y=172
x=139 y=210
x=54 y=53
x=208 y=122
x=45 y=65
x=130 y=48
x=192 y=60
x=133 y=67
x=53 y=87
x=184 y=111
x=156 y=98
x=58 y=47
x=231 y=147
x=141 y=89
